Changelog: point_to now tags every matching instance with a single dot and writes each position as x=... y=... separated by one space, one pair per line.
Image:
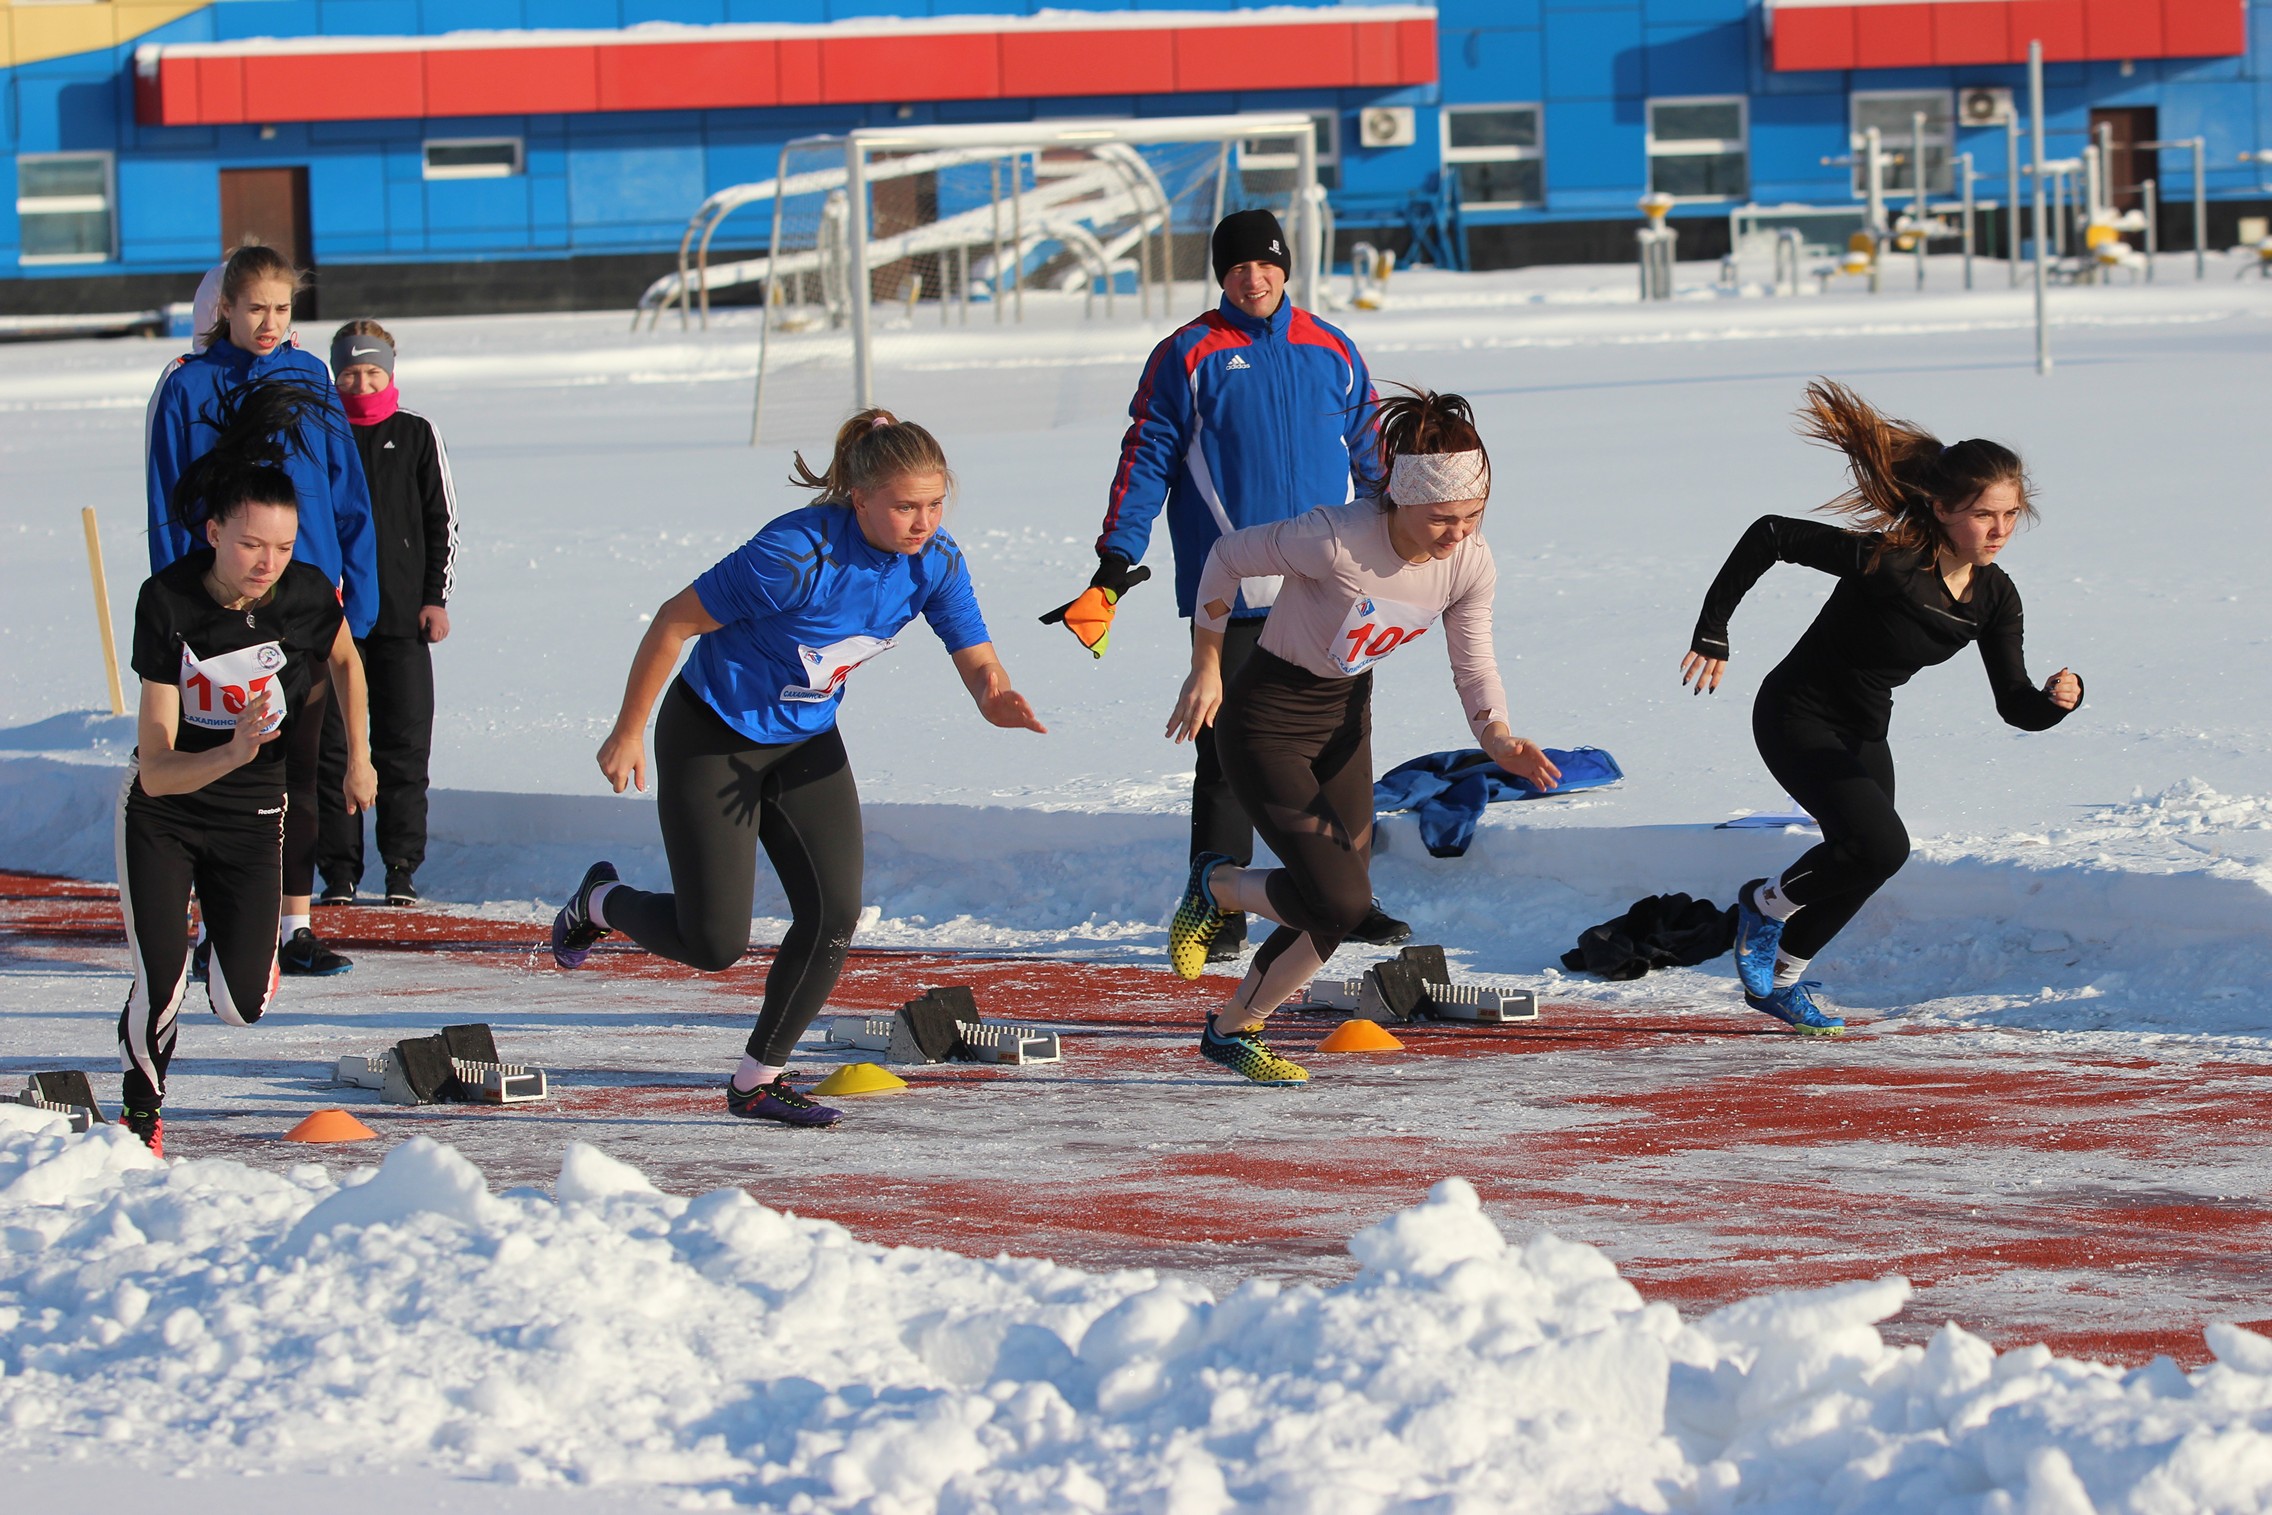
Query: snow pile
x=212 y=1317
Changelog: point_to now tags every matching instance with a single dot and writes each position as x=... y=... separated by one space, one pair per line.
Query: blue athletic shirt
x=806 y=601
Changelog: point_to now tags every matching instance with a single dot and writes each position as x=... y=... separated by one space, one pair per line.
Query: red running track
x=2033 y=1187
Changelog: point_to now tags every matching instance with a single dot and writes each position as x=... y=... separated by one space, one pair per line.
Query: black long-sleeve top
x=414 y=512
x=1882 y=624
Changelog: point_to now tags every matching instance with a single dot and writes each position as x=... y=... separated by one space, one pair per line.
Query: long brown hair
x=1900 y=469
x=364 y=326
x=872 y=449
x=1422 y=421
x=249 y=265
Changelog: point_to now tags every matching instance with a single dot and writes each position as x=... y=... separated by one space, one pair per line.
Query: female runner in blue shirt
x=746 y=747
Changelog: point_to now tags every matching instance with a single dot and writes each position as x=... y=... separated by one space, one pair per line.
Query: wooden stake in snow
x=102 y=609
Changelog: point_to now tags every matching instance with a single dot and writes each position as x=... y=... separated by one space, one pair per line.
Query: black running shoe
x=574 y=932
x=1381 y=929
x=336 y=894
x=400 y=889
x=1230 y=940
x=307 y=956
x=780 y=1103
x=150 y=1125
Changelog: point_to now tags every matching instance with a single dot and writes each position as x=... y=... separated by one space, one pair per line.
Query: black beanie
x=1250 y=236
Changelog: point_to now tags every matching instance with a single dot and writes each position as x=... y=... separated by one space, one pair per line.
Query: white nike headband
x=350 y=348
x=1434 y=478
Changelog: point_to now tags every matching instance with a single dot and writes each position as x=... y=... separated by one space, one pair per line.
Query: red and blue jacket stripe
x=1239 y=422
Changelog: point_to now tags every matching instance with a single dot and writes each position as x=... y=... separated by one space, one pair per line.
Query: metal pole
x=2035 y=111
x=1966 y=161
x=2106 y=189
x=2012 y=199
x=765 y=312
x=2200 y=212
x=993 y=171
x=856 y=268
x=1918 y=208
x=1873 y=160
x=1018 y=237
x=2152 y=193
x=1306 y=228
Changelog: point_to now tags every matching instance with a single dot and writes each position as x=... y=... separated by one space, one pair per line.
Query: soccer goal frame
x=848 y=167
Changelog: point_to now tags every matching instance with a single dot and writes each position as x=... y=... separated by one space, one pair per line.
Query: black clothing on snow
x=1660 y=931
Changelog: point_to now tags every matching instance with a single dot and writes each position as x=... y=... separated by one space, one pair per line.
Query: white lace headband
x=1433 y=478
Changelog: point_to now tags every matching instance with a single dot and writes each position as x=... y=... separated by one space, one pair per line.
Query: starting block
x=943 y=1024
x=460 y=1064
x=1416 y=984
x=67 y=1094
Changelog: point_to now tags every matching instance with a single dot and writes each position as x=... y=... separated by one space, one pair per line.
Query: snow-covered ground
x=2101 y=880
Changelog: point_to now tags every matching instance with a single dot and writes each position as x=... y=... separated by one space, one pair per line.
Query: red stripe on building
x=731 y=67
x=1914 y=33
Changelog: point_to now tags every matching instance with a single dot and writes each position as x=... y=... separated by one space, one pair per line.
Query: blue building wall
x=622 y=184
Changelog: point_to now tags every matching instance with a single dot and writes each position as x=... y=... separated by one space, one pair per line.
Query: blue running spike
x=1757 y=937
x=574 y=932
x=1795 y=1007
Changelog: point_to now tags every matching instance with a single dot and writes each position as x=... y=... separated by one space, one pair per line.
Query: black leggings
x=720 y=795
x=235 y=863
x=1846 y=783
x=399 y=675
x=1298 y=751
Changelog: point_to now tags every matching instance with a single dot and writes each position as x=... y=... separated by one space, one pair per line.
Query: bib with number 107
x=214 y=690
x=1373 y=629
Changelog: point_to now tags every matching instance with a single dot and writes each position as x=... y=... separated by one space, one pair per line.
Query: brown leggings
x=1298 y=751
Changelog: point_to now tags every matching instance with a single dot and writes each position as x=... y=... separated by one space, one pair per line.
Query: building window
x=1267 y=165
x=473 y=158
x=1894 y=113
x=66 y=206
x=1494 y=152
x=1696 y=149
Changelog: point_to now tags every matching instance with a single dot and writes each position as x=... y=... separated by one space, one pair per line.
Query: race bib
x=214 y=690
x=826 y=668
x=1372 y=630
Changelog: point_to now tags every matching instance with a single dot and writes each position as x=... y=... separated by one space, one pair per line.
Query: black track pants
x=315 y=771
x=235 y=864
x=1219 y=823
x=721 y=796
x=1846 y=783
x=1298 y=750
x=400 y=674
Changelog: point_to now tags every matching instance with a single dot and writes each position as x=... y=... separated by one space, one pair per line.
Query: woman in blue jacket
x=251 y=341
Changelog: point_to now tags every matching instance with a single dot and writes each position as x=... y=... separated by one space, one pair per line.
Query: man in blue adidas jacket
x=1255 y=412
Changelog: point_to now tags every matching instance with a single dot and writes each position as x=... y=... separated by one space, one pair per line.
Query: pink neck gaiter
x=370 y=410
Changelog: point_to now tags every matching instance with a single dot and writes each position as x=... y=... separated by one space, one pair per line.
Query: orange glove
x=1088 y=615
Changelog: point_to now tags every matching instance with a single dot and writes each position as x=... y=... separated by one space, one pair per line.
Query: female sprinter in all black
x=746 y=747
x=228 y=640
x=1294 y=730
x=1917 y=580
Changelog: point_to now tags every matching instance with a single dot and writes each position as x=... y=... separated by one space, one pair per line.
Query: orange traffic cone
x=330 y=1126
x=1360 y=1035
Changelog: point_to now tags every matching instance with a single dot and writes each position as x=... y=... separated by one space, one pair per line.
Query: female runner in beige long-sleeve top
x=1294 y=732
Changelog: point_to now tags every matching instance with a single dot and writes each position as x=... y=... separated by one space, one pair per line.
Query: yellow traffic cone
x=860 y=1078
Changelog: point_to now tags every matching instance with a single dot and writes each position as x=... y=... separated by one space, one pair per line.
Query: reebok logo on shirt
x=1237 y=362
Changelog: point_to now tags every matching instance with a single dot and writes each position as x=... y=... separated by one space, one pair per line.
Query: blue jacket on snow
x=335 y=501
x=1450 y=789
x=1239 y=422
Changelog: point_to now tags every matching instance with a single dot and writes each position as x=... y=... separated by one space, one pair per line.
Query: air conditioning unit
x=1387 y=126
x=1984 y=106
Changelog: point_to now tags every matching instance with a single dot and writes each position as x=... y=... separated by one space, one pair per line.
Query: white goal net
x=890 y=248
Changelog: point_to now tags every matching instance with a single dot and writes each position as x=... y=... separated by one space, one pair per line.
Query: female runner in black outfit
x=228 y=640
x=1917 y=581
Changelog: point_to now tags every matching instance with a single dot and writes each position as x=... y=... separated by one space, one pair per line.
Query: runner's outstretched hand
x=253 y=730
x=1088 y=615
x=1525 y=759
x=1706 y=672
x=1196 y=706
x=1009 y=709
x=624 y=760
x=2065 y=690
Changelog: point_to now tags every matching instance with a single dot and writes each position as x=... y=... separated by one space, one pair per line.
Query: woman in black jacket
x=1917 y=581
x=414 y=511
